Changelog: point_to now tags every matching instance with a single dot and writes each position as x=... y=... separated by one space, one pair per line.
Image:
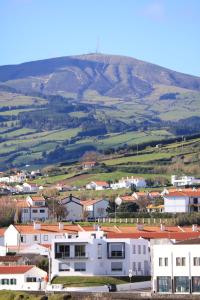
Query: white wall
x=176 y=204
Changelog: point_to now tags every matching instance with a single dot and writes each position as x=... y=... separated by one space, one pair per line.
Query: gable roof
x=15 y=269
x=101 y=183
x=10 y=258
x=92 y=201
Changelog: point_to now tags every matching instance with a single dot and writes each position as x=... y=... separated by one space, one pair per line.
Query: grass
x=139 y=158
x=78 y=281
x=14 y=295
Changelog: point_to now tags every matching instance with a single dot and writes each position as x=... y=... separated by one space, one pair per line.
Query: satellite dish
x=118 y=201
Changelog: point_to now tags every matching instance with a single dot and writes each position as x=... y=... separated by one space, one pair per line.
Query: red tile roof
x=90 y=202
x=15 y=269
x=9 y=258
x=183 y=193
x=101 y=183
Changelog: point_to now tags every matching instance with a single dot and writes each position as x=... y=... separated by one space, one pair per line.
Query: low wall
x=134 y=286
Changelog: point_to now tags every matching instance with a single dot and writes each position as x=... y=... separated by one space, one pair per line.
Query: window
x=62 y=251
x=166 y=261
x=139 y=249
x=23 y=238
x=116 y=250
x=134 y=249
x=139 y=266
x=46 y=237
x=180 y=261
x=196 y=284
x=163 y=261
x=42 y=211
x=195 y=200
x=181 y=284
x=35 y=238
x=63 y=267
x=144 y=249
x=134 y=266
x=35 y=210
x=160 y=261
x=99 y=251
x=116 y=266
x=31 y=279
x=13 y=281
x=79 y=266
x=25 y=210
x=164 y=284
x=196 y=261
x=4 y=281
x=79 y=250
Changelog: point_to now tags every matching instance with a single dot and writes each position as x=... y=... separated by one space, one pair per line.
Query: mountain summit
x=107 y=75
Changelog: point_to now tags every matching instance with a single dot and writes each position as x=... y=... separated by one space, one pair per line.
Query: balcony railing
x=63 y=255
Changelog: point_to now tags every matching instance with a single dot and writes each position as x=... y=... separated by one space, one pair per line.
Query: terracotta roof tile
x=15 y=269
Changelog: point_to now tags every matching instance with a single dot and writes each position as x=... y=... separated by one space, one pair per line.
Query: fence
x=147 y=221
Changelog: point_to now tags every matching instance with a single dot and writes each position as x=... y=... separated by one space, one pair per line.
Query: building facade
x=176 y=267
x=92 y=253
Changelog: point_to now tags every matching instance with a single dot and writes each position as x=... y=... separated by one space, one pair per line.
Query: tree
x=57 y=210
x=143 y=202
x=90 y=156
x=133 y=188
x=7 y=211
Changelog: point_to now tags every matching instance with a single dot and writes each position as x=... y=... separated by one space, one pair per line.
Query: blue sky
x=164 y=32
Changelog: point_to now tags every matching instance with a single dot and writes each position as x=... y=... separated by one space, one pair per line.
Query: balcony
x=62 y=255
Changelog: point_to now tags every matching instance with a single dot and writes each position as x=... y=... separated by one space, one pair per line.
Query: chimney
x=195 y=227
x=36 y=225
x=140 y=227
x=70 y=197
x=61 y=226
x=162 y=227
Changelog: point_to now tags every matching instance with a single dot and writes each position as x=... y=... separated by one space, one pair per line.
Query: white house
x=139 y=182
x=19 y=236
x=28 y=188
x=182 y=201
x=176 y=267
x=92 y=253
x=22 y=277
x=97 y=185
x=184 y=180
x=96 y=208
x=73 y=207
x=31 y=209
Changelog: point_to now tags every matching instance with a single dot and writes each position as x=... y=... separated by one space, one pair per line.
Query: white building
x=182 y=201
x=92 y=253
x=28 y=188
x=176 y=267
x=139 y=182
x=97 y=185
x=19 y=178
x=33 y=208
x=24 y=277
x=96 y=208
x=20 y=236
x=74 y=208
x=184 y=180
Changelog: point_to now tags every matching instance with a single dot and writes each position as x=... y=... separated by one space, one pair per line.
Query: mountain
x=108 y=75
x=54 y=110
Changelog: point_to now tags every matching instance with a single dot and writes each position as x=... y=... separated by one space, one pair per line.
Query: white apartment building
x=22 y=277
x=184 y=180
x=182 y=201
x=176 y=267
x=93 y=253
x=33 y=208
